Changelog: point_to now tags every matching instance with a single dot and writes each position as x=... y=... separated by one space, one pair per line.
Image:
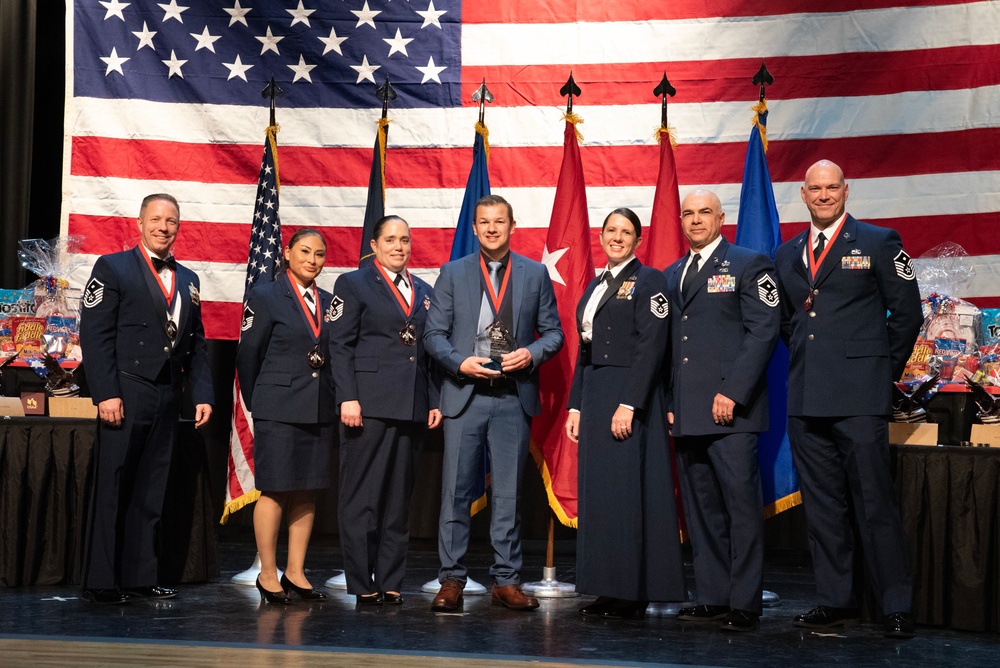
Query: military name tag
x=856 y=262
x=722 y=283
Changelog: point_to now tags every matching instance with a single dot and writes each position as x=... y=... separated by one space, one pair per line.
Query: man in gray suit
x=481 y=328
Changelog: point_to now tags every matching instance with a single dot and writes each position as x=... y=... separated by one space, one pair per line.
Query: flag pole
x=550 y=586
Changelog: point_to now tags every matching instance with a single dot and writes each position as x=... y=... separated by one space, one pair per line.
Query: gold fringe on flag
x=239 y=502
x=782 y=504
x=272 y=138
x=669 y=132
x=383 y=130
x=575 y=120
x=484 y=131
x=759 y=109
x=557 y=509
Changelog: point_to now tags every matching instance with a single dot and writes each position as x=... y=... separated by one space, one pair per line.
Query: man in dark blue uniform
x=724 y=326
x=850 y=312
x=140 y=330
x=487 y=309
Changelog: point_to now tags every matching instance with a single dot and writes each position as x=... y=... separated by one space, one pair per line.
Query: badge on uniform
x=904 y=266
x=335 y=311
x=722 y=283
x=93 y=293
x=427 y=302
x=626 y=289
x=195 y=296
x=856 y=262
x=767 y=290
x=247 y=318
x=659 y=306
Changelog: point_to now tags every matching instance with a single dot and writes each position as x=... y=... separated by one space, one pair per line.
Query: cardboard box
x=33 y=403
x=986 y=433
x=11 y=407
x=920 y=433
x=72 y=407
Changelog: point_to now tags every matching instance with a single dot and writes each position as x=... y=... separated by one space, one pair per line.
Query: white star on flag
x=174 y=65
x=172 y=11
x=205 y=40
x=550 y=260
x=365 y=71
x=398 y=43
x=365 y=15
x=300 y=15
x=237 y=69
x=238 y=14
x=269 y=41
x=145 y=37
x=430 y=71
x=115 y=9
x=431 y=15
x=332 y=42
x=301 y=70
x=114 y=62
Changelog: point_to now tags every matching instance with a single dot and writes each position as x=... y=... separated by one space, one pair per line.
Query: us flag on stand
x=165 y=96
x=263 y=260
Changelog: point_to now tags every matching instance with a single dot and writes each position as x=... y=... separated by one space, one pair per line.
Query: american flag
x=166 y=96
x=263 y=260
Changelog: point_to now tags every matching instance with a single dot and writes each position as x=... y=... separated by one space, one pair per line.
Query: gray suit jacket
x=454 y=318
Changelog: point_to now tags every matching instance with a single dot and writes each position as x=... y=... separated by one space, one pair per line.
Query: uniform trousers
x=842 y=458
x=376 y=479
x=723 y=506
x=494 y=417
x=132 y=464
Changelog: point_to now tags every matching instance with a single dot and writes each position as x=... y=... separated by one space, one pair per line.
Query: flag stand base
x=549 y=586
x=770 y=600
x=249 y=576
x=472 y=588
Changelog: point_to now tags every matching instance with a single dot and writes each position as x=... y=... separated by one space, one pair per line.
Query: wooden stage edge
x=46 y=653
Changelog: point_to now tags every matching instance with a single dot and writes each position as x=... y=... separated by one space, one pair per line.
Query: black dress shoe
x=741 y=621
x=309 y=594
x=621 y=609
x=371 y=599
x=899 y=625
x=392 y=599
x=104 y=596
x=824 y=617
x=275 y=597
x=598 y=607
x=703 y=613
x=151 y=592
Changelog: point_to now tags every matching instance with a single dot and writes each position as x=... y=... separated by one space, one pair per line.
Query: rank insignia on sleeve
x=247 y=318
x=195 y=296
x=335 y=311
x=93 y=294
x=904 y=266
x=659 y=306
x=767 y=290
x=427 y=302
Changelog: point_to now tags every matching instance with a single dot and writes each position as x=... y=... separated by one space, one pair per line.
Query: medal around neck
x=408 y=335
x=316 y=358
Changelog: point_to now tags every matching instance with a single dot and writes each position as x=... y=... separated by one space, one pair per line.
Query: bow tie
x=159 y=264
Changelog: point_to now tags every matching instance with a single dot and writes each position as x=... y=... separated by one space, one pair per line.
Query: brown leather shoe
x=512 y=598
x=449 y=596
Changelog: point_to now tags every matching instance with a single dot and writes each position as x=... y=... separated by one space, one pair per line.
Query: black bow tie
x=159 y=264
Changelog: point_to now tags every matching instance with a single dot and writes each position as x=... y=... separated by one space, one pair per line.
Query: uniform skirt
x=628 y=539
x=289 y=457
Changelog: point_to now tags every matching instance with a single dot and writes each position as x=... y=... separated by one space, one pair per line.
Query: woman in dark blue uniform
x=388 y=399
x=628 y=541
x=284 y=373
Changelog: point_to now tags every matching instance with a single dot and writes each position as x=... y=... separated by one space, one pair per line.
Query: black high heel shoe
x=626 y=610
x=276 y=597
x=303 y=593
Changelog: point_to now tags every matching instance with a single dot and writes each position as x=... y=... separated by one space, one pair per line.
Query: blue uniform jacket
x=371 y=364
x=454 y=318
x=845 y=351
x=275 y=378
x=123 y=327
x=631 y=329
x=722 y=338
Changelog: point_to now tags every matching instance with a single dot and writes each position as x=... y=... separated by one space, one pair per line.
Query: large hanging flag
x=568 y=254
x=758 y=228
x=167 y=98
x=375 y=203
x=664 y=240
x=263 y=261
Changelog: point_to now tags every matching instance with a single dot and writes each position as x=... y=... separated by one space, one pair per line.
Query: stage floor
x=219 y=622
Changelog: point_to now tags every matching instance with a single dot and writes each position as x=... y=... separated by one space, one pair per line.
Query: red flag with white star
x=664 y=242
x=568 y=256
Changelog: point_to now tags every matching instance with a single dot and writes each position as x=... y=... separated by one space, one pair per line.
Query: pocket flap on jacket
x=865 y=348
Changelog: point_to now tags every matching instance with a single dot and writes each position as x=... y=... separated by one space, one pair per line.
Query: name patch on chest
x=856 y=262
x=722 y=283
